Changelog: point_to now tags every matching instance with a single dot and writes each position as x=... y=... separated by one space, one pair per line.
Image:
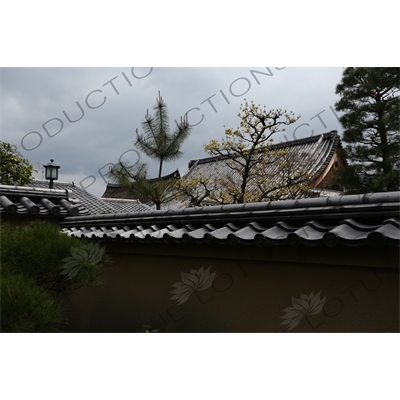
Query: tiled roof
x=117 y=191
x=63 y=200
x=21 y=200
x=312 y=154
x=126 y=206
x=93 y=204
x=360 y=220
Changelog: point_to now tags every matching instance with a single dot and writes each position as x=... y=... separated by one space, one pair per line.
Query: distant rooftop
x=120 y=192
x=312 y=153
x=86 y=202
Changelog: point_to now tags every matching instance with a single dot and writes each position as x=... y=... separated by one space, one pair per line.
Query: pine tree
x=371 y=106
x=160 y=144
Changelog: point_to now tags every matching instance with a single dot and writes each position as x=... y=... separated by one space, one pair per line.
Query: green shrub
x=39 y=250
x=35 y=250
x=26 y=307
x=38 y=264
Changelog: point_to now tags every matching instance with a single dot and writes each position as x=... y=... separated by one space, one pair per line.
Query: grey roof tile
x=41 y=202
x=93 y=204
x=247 y=234
x=176 y=235
x=221 y=235
x=63 y=200
x=198 y=234
x=362 y=220
x=159 y=235
x=351 y=233
x=388 y=232
x=276 y=234
x=126 y=206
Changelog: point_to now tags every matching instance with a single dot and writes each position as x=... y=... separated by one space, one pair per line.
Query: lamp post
x=51 y=173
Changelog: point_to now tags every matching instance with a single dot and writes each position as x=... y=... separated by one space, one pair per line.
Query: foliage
x=200 y=189
x=14 y=170
x=38 y=250
x=160 y=144
x=49 y=264
x=371 y=105
x=35 y=250
x=248 y=152
x=135 y=177
x=147 y=329
x=26 y=307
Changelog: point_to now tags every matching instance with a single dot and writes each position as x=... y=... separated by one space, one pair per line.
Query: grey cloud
x=34 y=96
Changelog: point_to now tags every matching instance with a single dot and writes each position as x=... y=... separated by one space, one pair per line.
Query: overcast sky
x=42 y=33
x=85 y=118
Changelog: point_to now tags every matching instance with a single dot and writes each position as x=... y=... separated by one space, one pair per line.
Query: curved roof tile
x=356 y=220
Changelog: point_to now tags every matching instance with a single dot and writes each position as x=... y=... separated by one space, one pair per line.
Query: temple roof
x=312 y=154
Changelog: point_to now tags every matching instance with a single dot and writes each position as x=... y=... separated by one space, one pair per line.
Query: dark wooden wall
x=251 y=289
